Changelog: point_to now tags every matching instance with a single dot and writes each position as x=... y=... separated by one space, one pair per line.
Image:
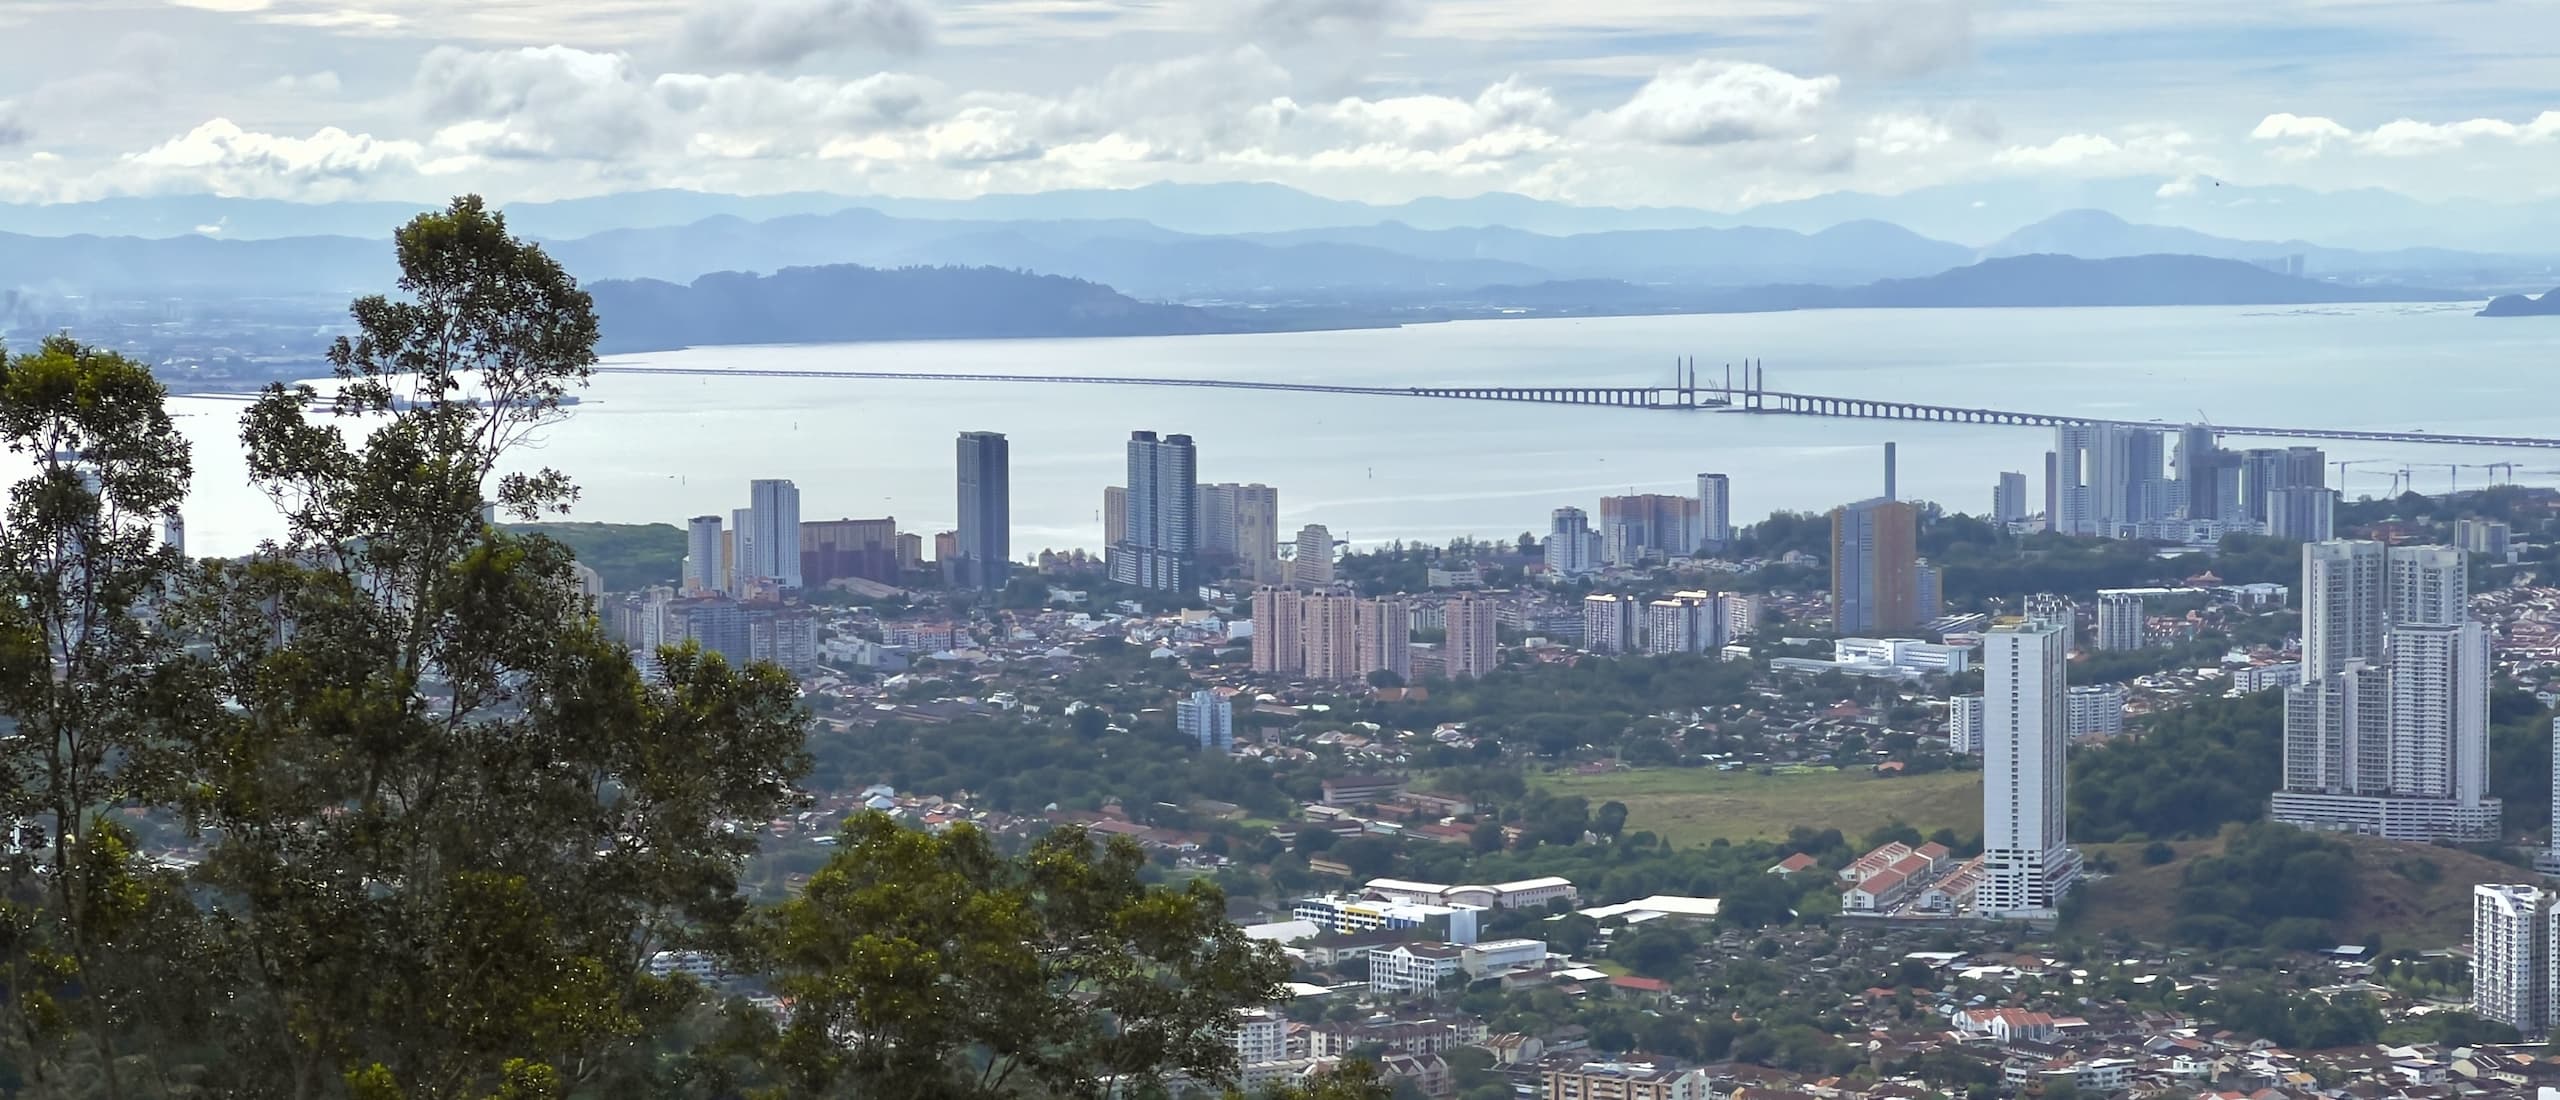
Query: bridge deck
x=1684 y=397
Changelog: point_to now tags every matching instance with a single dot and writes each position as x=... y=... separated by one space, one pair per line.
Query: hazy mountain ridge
x=1975 y=213
x=847 y=302
x=2097 y=234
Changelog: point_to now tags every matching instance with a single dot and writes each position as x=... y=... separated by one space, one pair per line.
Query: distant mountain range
x=2519 y=305
x=1339 y=266
x=852 y=303
x=1976 y=213
x=847 y=302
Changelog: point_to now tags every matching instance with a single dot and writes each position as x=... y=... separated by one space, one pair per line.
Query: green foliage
x=2193 y=770
x=2296 y=1021
x=922 y=965
x=628 y=556
x=2274 y=886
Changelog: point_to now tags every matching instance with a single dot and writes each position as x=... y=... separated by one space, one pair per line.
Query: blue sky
x=1718 y=103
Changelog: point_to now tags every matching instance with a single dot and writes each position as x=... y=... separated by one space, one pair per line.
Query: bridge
x=1751 y=397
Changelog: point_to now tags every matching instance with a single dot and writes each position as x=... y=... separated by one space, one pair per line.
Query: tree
x=1487 y=836
x=1353 y=1079
x=929 y=966
x=86 y=679
x=450 y=821
x=1610 y=820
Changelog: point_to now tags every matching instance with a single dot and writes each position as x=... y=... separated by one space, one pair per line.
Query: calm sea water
x=659 y=449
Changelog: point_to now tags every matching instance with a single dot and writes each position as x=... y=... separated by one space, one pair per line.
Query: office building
x=1276 y=648
x=1964 y=725
x=1570 y=546
x=1258 y=531
x=2201 y=463
x=1383 y=629
x=703 y=572
x=2027 y=861
x=2300 y=512
x=2387 y=734
x=1156 y=547
x=2487 y=539
x=773 y=532
x=1874 y=559
x=735 y=552
x=173 y=531
x=841 y=549
x=1115 y=515
x=2009 y=499
x=986 y=512
x=1611 y=623
x=1313 y=567
x=1928 y=592
x=1216 y=508
x=1648 y=526
x=2123 y=622
x=1208 y=718
x=1473 y=646
x=2094 y=710
x=1715 y=512
x=2513 y=928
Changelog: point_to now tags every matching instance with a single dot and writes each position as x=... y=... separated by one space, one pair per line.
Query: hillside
x=846 y=303
x=2413 y=895
x=2519 y=305
x=2097 y=234
x=629 y=556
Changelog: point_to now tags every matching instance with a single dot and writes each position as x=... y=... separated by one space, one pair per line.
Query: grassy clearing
x=2413 y=895
x=1695 y=805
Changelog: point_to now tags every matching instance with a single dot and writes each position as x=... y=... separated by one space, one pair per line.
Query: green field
x=1695 y=805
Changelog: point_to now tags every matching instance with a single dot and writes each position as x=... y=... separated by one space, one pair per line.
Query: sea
x=1374 y=469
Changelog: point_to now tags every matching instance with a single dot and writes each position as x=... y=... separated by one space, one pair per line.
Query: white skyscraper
x=2027 y=861
x=1611 y=623
x=173 y=531
x=2121 y=621
x=773 y=543
x=2549 y=862
x=1208 y=719
x=2429 y=584
x=736 y=578
x=2346 y=605
x=2009 y=499
x=702 y=572
x=2388 y=734
x=1964 y=725
x=2512 y=932
x=1569 y=543
x=2440 y=711
x=1715 y=511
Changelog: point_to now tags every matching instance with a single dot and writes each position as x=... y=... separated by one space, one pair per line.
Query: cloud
x=1900 y=40
x=228 y=6
x=1291 y=22
x=13 y=125
x=1719 y=103
x=2300 y=137
x=221 y=157
x=2138 y=149
x=786 y=32
x=2178 y=188
x=538 y=102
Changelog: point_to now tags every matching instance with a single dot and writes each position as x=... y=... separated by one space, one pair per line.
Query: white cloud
x=1896 y=135
x=2134 y=149
x=228 y=6
x=546 y=102
x=1289 y=22
x=1896 y=39
x=784 y=32
x=2299 y=137
x=221 y=157
x=13 y=125
x=1718 y=103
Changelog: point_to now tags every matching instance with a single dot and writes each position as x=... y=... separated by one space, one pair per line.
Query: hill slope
x=2413 y=895
x=2519 y=305
x=850 y=303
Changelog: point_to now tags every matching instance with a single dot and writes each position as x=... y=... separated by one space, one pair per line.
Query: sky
x=1714 y=103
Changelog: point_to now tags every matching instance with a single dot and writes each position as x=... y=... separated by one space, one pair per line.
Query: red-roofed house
x=1793 y=864
x=1878 y=891
x=1643 y=989
x=2007 y=1025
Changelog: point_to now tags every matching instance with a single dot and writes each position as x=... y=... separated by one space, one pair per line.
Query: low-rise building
x=1623 y=1081
x=1415 y=967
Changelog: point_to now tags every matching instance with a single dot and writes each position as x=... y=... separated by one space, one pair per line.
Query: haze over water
x=659 y=449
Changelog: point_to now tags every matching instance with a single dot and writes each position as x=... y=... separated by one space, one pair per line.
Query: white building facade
x=2513 y=929
x=2027 y=861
